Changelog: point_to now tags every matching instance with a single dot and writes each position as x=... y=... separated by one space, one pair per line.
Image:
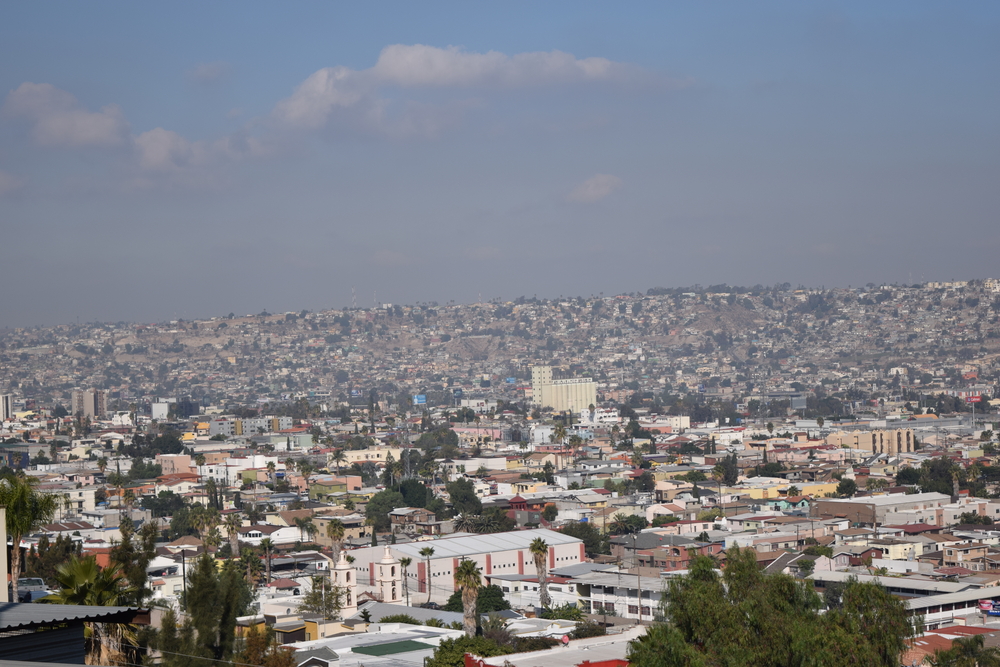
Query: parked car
x=30 y=589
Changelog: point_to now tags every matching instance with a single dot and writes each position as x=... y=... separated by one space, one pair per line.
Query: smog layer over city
x=469 y=335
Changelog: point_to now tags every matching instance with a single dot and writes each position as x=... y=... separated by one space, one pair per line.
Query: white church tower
x=345 y=578
x=390 y=579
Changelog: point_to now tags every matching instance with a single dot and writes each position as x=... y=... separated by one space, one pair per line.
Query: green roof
x=392 y=647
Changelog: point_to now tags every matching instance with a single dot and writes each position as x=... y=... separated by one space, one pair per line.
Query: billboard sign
x=459 y=394
x=355 y=393
x=420 y=399
x=973 y=399
x=511 y=380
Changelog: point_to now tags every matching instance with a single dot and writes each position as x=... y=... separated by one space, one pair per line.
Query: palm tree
x=268 y=546
x=540 y=552
x=468 y=580
x=27 y=509
x=967 y=652
x=404 y=563
x=792 y=491
x=335 y=531
x=338 y=457
x=304 y=524
x=233 y=524
x=270 y=471
x=102 y=464
x=82 y=582
x=254 y=514
x=427 y=553
x=466 y=523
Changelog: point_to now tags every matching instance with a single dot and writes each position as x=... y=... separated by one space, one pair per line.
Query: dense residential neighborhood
x=395 y=484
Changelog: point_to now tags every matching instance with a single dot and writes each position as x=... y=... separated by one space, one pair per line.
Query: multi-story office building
x=6 y=406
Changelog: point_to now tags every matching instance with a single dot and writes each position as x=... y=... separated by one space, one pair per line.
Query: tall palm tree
x=427 y=553
x=338 y=457
x=82 y=582
x=335 y=531
x=233 y=524
x=404 y=563
x=27 y=509
x=271 y=468
x=540 y=554
x=468 y=580
x=268 y=546
x=304 y=524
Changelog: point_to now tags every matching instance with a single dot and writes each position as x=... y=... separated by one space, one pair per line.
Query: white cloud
x=340 y=88
x=163 y=150
x=420 y=65
x=209 y=72
x=318 y=95
x=59 y=119
x=9 y=183
x=594 y=189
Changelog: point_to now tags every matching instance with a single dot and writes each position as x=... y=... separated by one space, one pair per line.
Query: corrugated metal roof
x=15 y=615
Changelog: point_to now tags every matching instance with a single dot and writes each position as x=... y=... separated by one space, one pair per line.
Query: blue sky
x=192 y=159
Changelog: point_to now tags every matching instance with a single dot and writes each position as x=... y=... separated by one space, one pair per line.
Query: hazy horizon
x=186 y=160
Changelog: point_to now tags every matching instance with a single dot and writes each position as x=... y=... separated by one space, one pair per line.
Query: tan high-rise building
x=90 y=403
x=574 y=394
x=6 y=406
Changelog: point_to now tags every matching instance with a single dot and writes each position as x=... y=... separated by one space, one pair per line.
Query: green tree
x=550 y=512
x=974 y=518
x=233 y=523
x=468 y=580
x=847 y=488
x=400 y=618
x=133 y=554
x=967 y=652
x=463 y=497
x=451 y=652
x=380 y=505
x=43 y=561
x=539 y=550
x=27 y=510
x=267 y=546
x=908 y=476
x=427 y=553
x=747 y=617
x=261 y=649
x=490 y=599
x=335 y=531
x=323 y=599
x=594 y=543
x=404 y=564
x=215 y=598
x=81 y=582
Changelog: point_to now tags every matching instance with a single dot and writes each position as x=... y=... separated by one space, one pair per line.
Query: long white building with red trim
x=495 y=553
